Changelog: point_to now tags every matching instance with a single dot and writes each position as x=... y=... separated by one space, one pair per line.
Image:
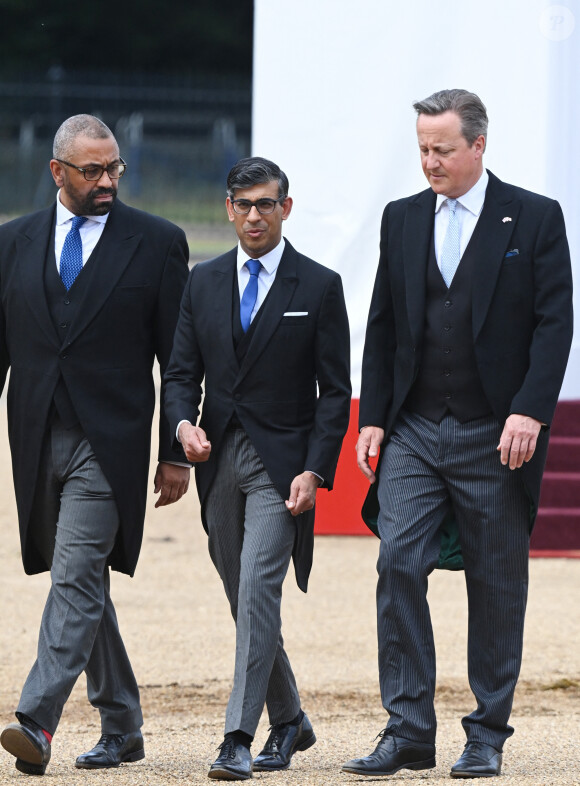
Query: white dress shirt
x=270 y=262
x=469 y=207
x=90 y=231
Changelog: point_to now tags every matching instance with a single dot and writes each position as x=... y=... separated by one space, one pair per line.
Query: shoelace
x=275 y=735
x=228 y=749
x=107 y=739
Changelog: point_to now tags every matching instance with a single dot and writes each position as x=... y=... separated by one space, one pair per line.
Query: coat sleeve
x=553 y=320
x=380 y=344
x=182 y=382
x=332 y=363
x=173 y=280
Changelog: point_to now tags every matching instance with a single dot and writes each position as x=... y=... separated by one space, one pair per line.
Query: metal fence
x=179 y=136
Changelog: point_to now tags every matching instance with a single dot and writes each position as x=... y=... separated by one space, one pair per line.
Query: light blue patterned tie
x=250 y=293
x=450 y=253
x=71 y=258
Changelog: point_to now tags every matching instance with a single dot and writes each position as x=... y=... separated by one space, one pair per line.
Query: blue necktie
x=71 y=258
x=450 y=253
x=250 y=293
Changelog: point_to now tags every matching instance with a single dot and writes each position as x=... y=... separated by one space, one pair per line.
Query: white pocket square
x=295 y=314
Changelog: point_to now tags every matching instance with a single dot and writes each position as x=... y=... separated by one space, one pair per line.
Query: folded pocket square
x=513 y=253
x=295 y=314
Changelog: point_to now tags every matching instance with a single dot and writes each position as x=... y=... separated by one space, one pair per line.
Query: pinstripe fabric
x=79 y=628
x=251 y=535
x=427 y=469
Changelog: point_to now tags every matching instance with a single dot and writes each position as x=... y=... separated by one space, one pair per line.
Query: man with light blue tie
x=267 y=330
x=90 y=292
x=467 y=342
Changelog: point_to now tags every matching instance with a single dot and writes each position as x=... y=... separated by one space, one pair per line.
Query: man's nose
x=105 y=181
x=432 y=160
x=254 y=214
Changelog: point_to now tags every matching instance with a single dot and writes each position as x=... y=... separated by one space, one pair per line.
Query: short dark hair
x=250 y=172
x=468 y=106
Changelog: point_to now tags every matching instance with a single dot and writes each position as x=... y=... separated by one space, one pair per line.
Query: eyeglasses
x=90 y=173
x=263 y=206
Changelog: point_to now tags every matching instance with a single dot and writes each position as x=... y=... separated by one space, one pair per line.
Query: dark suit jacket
x=521 y=310
x=293 y=426
x=106 y=360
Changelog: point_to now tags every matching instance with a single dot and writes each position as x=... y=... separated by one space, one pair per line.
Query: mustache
x=102 y=192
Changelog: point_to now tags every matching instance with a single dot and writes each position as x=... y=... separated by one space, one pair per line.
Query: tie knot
x=77 y=222
x=452 y=205
x=254 y=266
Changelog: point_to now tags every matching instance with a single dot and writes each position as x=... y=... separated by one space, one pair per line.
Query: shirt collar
x=63 y=214
x=473 y=200
x=270 y=261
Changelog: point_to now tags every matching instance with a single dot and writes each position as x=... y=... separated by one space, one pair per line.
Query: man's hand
x=368 y=445
x=172 y=481
x=196 y=445
x=518 y=440
x=302 y=493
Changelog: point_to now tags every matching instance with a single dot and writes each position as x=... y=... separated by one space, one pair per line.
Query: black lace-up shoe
x=283 y=742
x=393 y=754
x=234 y=762
x=112 y=750
x=478 y=760
x=29 y=744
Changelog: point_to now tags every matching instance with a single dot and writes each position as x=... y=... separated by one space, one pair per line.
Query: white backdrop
x=334 y=82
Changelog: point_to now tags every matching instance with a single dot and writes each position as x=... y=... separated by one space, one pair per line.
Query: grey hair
x=250 y=172
x=468 y=106
x=78 y=125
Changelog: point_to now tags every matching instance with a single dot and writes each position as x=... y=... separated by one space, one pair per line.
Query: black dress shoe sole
x=265 y=767
x=469 y=774
x=426 y=764
x=28 y=756
x=223 y=774
x=127 y=759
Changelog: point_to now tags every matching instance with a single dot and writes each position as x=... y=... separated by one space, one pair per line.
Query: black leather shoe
x=282 y=744
x=478 y=760
x=234 y=762
x=112 y=750
x=29 y=744
x=393 y=754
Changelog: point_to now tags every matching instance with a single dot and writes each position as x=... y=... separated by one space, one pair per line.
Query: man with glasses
x=267 y=329
x=89 y=292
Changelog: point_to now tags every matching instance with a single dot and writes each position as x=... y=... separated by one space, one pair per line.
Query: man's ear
x=286 y=208
x=230 y=209
x=57 y=169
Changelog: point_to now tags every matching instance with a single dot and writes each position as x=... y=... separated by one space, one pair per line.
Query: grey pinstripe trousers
x=427 y=469
x=251 y=535
x=79 y=630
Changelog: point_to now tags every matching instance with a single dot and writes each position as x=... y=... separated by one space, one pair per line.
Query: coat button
x=238 y=396
x=67 y=302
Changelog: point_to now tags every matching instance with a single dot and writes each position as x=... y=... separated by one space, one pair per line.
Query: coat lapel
x=417 y=234
x=490 y=240
x=116 y=249
x=274 y=306
x=31 y=250
x=222 y=299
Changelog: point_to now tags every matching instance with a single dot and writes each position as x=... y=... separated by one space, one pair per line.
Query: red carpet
x=557 y=530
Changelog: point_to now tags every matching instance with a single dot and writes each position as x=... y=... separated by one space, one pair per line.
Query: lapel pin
x=506 y=219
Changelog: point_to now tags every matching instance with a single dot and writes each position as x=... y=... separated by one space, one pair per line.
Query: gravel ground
x=180 y=637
